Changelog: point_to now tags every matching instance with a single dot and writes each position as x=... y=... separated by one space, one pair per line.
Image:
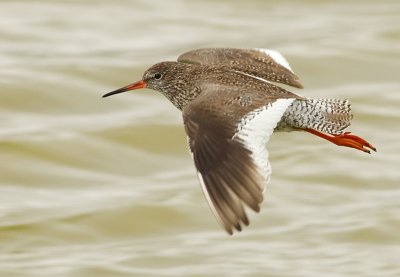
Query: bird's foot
x=345 y=139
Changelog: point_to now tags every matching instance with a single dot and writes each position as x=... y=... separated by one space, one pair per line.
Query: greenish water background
x=106 y=187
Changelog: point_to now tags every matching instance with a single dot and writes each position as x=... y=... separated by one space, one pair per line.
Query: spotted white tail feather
x=330 y=116
x=277 y=57
x=255 y=130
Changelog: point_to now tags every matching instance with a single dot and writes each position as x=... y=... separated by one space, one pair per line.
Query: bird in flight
x=231 y=105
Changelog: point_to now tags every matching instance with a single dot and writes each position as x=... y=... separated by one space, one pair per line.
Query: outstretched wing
x=262 y=63
x=228 y=146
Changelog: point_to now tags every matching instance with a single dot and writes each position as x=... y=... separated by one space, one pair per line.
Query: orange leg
x=345 y=139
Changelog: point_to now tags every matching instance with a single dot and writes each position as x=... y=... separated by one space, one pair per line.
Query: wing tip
x=297 y=84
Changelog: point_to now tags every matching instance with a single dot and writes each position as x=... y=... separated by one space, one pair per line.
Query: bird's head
x=169 y=78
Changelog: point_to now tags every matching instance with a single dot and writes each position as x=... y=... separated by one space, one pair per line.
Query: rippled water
x=106 y=187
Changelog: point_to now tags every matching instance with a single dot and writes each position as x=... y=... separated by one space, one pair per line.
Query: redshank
x=230 y=108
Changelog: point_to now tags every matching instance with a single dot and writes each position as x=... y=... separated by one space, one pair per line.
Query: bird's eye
x=157 y=76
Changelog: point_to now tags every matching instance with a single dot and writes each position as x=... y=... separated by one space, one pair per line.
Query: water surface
x=106 y=187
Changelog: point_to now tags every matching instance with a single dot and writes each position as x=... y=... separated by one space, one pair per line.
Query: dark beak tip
x=106 y=95
x=137 y=85
x=116 y=91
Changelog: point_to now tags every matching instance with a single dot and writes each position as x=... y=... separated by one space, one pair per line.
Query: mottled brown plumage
x=250 y=61
x=230 y=108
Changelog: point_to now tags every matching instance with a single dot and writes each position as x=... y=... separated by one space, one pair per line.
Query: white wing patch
x=252 y=76
x=277 y=57
x=255 y=130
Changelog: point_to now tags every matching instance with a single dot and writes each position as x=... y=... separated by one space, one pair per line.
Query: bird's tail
x=330 y=116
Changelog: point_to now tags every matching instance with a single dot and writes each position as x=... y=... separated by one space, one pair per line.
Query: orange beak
x=137 y=85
